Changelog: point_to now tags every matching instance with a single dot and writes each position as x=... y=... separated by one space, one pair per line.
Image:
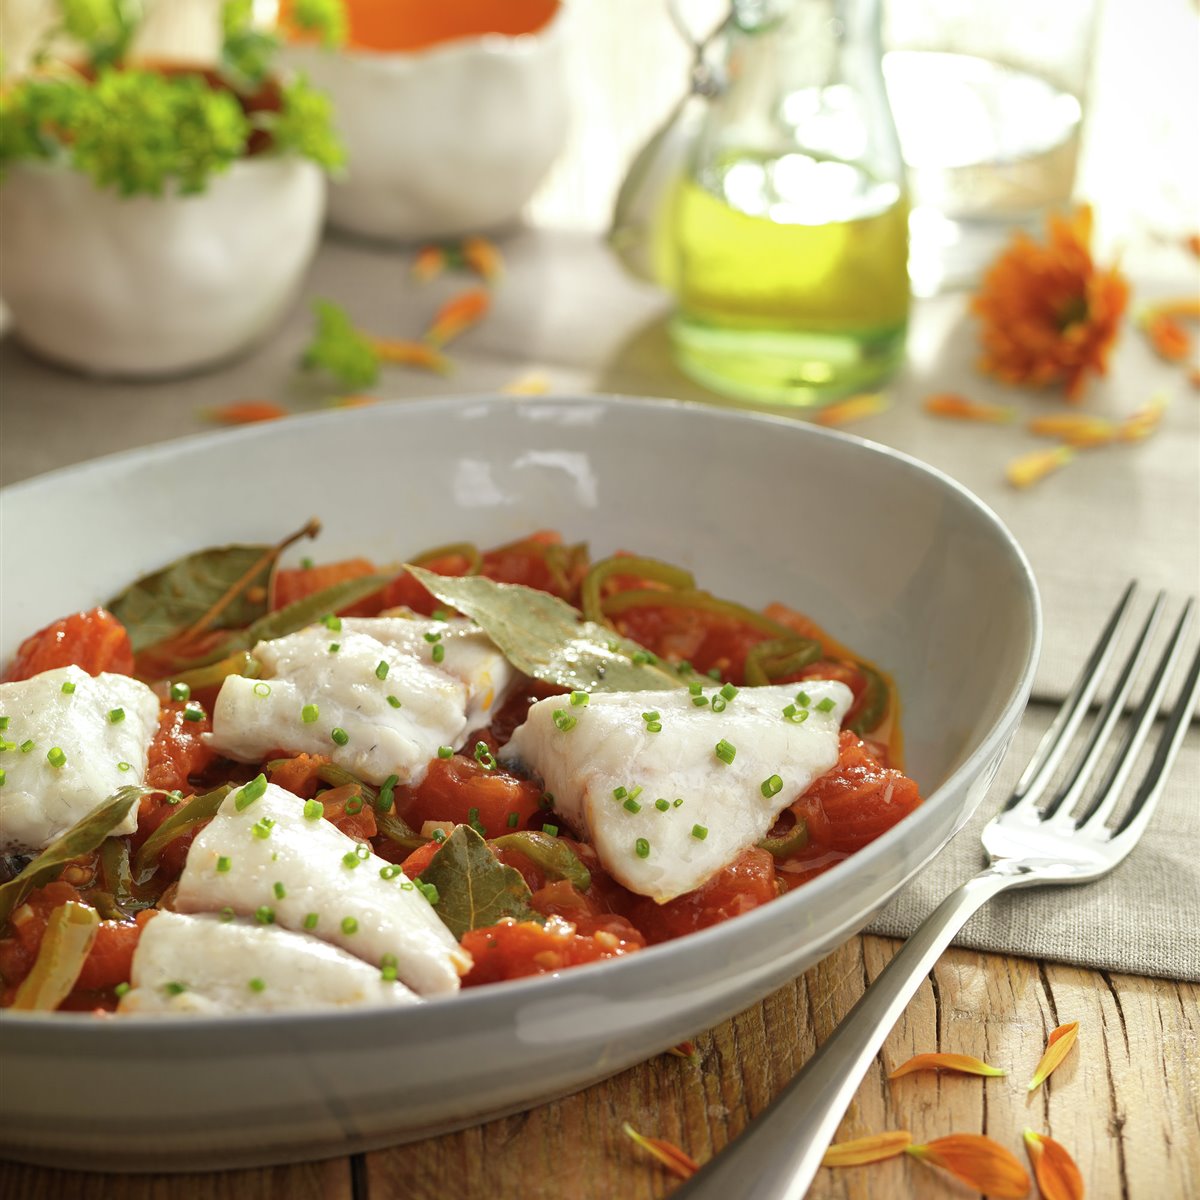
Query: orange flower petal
x=1176 y=306
x=1194 y=377
x=1168 y=338
x=864 y=1150
x=482 y=257
x=410 y=354
x=1058 y=1045
x=532 y=384
x=978 y=1161
x=429 y=263
x=459 y=314
x=946 y=1062
x=1141 y=424
x=1058 y=1178
x=246 y=412
x=951 y=404
x=846 y=412
x=667 y=1153
x=685 y=1050
x=1027 y=470
x=1076 y=429
x=1192 y=242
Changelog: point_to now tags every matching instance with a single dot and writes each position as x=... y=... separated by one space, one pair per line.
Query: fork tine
x=1141 y=809
x=1072 y=789
x=1107 y=795
x=1049 y=753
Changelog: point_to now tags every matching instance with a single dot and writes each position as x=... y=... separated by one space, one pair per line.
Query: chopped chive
x=700 y=701
x=363 y=851
x=439 y=614
x=695 y=688
x=393 y=701
x=389 y=872
x=546 y=800
x=339 y=736
x=714 y=673
x=677 y=802
x=388 y=973
x=729 y=691
x=332 y=621
x=718 y=703
x=797 y=716
x=654 y=727
x=619 y=793
x=350 y=859
x=725 y=751
x=307 y=563
x=771 y=786
x=653 y=715
x=310 y=920
x=514 y=819
x=124 y=766
x=174 y=989
x=803 y=699
x=264 y=915
x=662 y=805
x=484 y=757
x=349 y=925
x=334 y=647
x=445 y=752
x=563 y=720
x=825 y=705
x=314 y=810
x=193 y=712
x=634 y=793
x=279 y=890
x=641 y=848
x=640 y=658
x=552 y=830
x=120 y=990
x=428 y=890
x=263 y=827
x=224 y=863
x=309 y=714
x=262 y=689
x=3 y=724
x=386 y=797
x=439 y=836
x=579 y=699
x=254 y=790
x=116 y=716
x=257 y=985
x=699 y=832
x=27 y=745
x=180 y=692
x=631 y=805
x=3 y=776
x=68 y=688
x=227 y=914
x=381 y=670
x=353 y=806
x=434 y=637
x=438 y=653
x=55 y=757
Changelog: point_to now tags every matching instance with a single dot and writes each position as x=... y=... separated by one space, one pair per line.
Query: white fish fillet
x=430 y=704
x=207 y=964
x=724 y=809
x=39 y=801
x=320 y=871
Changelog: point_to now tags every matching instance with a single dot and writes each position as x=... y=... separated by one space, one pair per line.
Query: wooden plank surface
x=1126 y=1102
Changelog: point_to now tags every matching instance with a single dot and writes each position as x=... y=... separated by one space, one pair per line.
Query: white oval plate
x=894 y=558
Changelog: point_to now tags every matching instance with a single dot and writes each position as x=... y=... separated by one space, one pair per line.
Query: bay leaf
x=554 y=857
x=83 y=837
x=545 y=638
x=223 y=587
x=195 y=812
x=475 y=889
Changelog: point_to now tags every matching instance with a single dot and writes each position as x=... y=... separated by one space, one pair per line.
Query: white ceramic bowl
x=145 y=286
x=444 y=141
x=894 y=558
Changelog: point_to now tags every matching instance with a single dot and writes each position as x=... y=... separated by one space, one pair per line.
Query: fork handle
x=777 y=1155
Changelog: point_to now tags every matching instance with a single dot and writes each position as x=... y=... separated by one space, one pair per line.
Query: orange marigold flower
x=1058 y=1178
x=1049 y=316
x=978 y=1161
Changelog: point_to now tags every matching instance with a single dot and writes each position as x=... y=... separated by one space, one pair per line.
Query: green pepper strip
x=392 y=827
x=242 y=663
x=115 y=902
x=467 y=550
x=674 y=577
x=187 y=817
x=69 y=935
x=703 y=601
x=779 y=658
x=789 y=844
x=555 y=858
x=875 y=706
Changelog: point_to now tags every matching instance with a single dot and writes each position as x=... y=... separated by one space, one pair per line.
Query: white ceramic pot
x=446 y=141
x=144 y=286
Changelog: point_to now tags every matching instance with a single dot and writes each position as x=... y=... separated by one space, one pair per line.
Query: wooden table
x=1125 y=1102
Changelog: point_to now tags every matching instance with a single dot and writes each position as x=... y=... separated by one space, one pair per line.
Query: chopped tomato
x=26 y=928
x=744 y=884
x=344 y=807
x=404 y=591
x=298 y=775
x=94 y=641
x=461 y=790
x=539 y=561
x=514 y=949
x=111 y=957
x=296 y=583
x=419 y=859
x=856 y=801
x=178 y=751
x=708 y=641
x=586 y=912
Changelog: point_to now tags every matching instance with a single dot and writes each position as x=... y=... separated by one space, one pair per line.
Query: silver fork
x=778 y=1154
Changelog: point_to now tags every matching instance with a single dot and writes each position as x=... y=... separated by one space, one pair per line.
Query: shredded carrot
x=246 y=412
x=951 y=404
x=1029 y=469
x=857 y=408
x=458 y=315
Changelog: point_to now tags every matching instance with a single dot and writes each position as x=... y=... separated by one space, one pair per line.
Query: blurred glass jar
x=989 y=103
x=778 y=208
